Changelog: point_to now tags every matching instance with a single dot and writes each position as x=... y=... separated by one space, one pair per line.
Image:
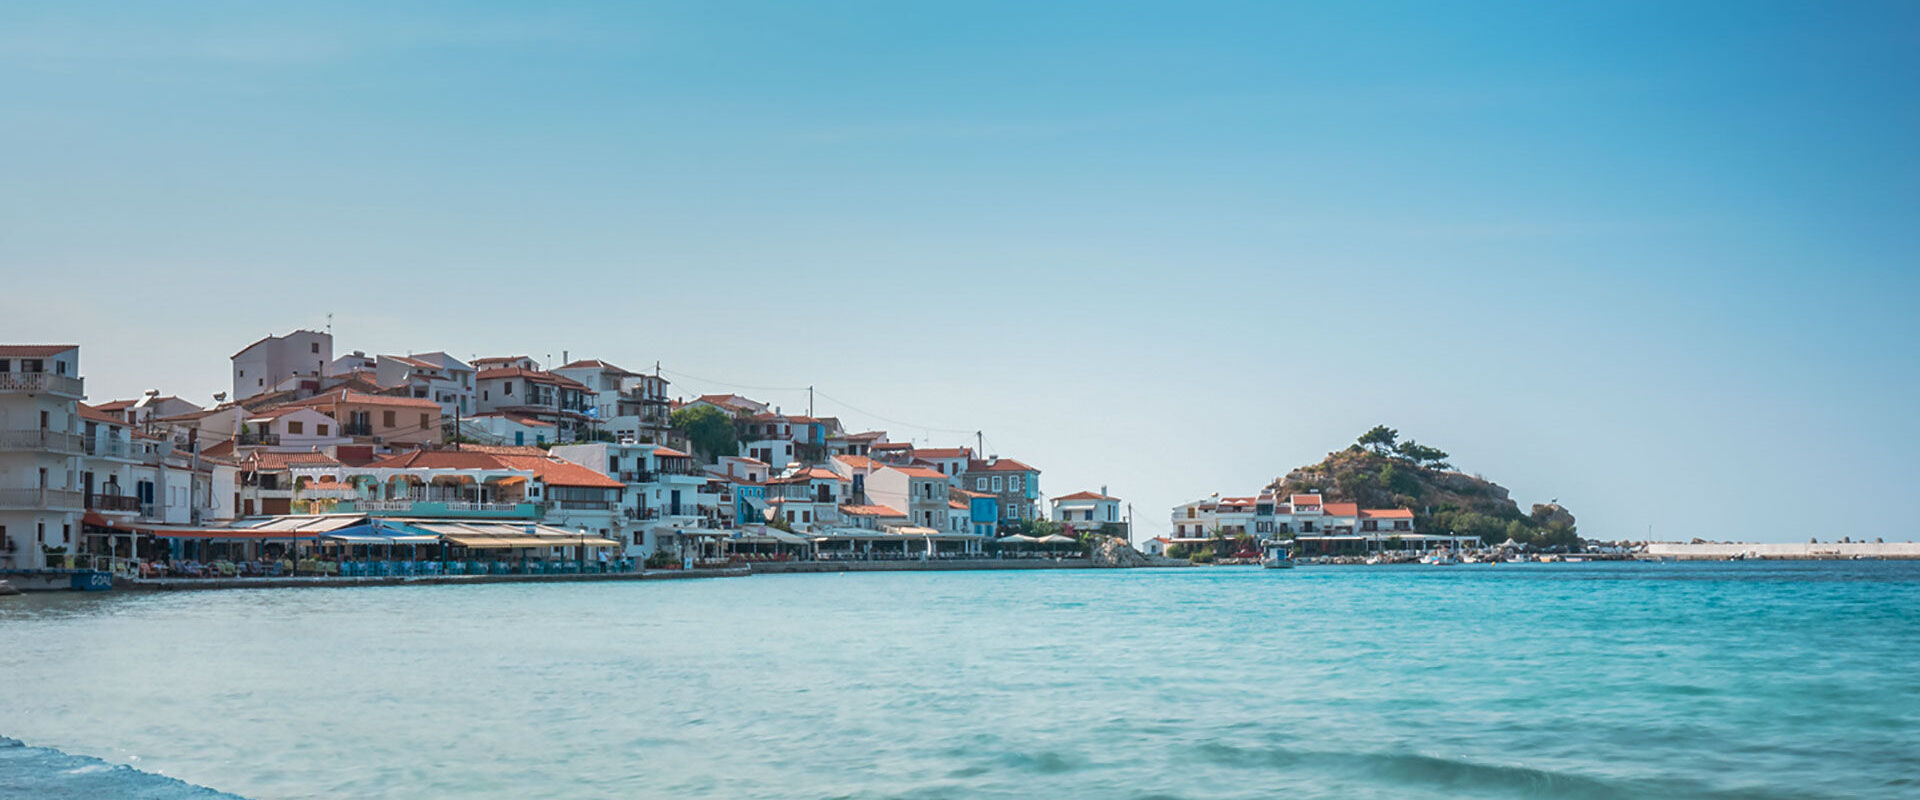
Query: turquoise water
x=1585 y=681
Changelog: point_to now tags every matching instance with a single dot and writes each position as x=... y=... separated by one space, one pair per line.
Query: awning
x=190 y=532
x=478 y=542
x=375 y=538
x=910 y=530
x=1017 y=538
x=1054 y=538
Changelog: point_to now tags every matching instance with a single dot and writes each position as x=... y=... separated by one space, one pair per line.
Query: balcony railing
x=258 y=439
x=357 y=429
x=42 y=439
x=41 y=383
x=41 y=498
x=580 y=505
x=108 y=502
x=106 y=447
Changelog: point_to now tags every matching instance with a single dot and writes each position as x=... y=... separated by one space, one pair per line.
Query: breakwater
x=1796 y=551
x=182 y=584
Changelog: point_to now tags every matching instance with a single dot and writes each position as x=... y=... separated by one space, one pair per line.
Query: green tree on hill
x=1422 y=455
x=709 y=428
x=1380 y=440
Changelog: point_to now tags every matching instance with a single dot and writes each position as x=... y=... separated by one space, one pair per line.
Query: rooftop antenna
x=329 y=323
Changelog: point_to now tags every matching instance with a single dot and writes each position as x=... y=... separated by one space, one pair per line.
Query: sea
x=1606 y=680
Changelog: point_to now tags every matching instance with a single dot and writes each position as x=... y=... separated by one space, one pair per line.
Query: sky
x=1655 y=261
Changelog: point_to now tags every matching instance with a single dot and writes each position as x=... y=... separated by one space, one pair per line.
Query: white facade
x=270 y=363
x=918 y=491
x=435 y=376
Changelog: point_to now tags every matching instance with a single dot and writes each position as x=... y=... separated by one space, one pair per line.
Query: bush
x=1202 y=556
x=1177 y=551
x=662 y=560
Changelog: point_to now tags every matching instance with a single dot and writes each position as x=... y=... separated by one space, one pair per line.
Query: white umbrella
x=1054 y=538
x=1018 y=537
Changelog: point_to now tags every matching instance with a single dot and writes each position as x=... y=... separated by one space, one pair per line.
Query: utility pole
x=809 y=401
x=979 y=444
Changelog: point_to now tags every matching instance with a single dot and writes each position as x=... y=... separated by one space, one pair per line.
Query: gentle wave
x=1475 y=779
x=48 y=774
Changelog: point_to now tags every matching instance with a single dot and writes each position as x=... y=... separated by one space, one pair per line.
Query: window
x=507 y=388
x=320 y=430
x=1013 y=483
x=314 y=346
x=424 y=424
x=295 y=426
x=980 y=484
x=996 y=483
x=387 y=419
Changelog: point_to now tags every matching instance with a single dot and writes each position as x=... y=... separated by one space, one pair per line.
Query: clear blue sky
x=1657 y=261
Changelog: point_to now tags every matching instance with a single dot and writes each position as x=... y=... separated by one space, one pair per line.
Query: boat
x=1443 y=558
x=1276 y=555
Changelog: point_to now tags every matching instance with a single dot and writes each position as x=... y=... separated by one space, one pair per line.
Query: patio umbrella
x=1018 y=538
x=1054 y=538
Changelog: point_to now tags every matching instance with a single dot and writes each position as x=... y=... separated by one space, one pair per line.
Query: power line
x=858 y=410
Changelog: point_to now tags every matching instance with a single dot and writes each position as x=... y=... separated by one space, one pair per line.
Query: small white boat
x=1276 y=555
x=1441 y=559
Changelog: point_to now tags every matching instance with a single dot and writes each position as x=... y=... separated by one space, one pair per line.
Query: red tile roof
x=942 y=453
x=535 y=376
x=1085 y=496
x=34 y=350
x=870 y=511
x=353 y=398
x=670 y=452
x=1003 y=465
x=94 y=413
x=1341 y=509
x=858 y=462
x=599 y=365
x=1306 y=499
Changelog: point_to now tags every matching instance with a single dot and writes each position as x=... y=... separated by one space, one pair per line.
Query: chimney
x=1103 y=490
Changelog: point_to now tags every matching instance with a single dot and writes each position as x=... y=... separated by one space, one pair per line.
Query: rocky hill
x=1381 y=472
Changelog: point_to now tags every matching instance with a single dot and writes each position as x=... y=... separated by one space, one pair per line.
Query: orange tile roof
x=1085 y=496
x=1003 y=465
x=1341 y=509
x=943 y=452
x=552 y=471
x=669 y=452
x=858 y=462
x=919 y=472
x=1306 y=499
x=268 y=460
x=1386 y=513
x=870 y=511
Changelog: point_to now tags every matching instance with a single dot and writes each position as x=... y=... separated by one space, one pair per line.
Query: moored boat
x=1275 y=554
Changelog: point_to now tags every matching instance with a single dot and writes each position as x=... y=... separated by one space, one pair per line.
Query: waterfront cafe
x=351 y=545
x=1375 y=542
x=767 y=543
x=895 y=543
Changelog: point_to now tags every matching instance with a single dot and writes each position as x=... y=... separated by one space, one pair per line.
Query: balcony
x=580 y=505
x=107 y=502
x=357 y=429
x=258 y=440
x=41 y=498
x=107 y=447
x=42 y=383
x=44 y=440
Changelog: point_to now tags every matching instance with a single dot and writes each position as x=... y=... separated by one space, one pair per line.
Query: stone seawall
x=1799 y=551
x=790 y=567
x=176 y=584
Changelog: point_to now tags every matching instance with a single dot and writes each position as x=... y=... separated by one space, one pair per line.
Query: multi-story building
x=664 y=491
x=148 y=408
x=1306 y=518
x=919 y=491
x=809 y=498
x=1015 y=485
x=297 y=360
x=379 y=419
x=41 y=495
x=1090 y=512
x=544 y=396
x=627 y=404
x=434 y=376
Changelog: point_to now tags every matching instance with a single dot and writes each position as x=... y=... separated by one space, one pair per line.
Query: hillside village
x=583 y=460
